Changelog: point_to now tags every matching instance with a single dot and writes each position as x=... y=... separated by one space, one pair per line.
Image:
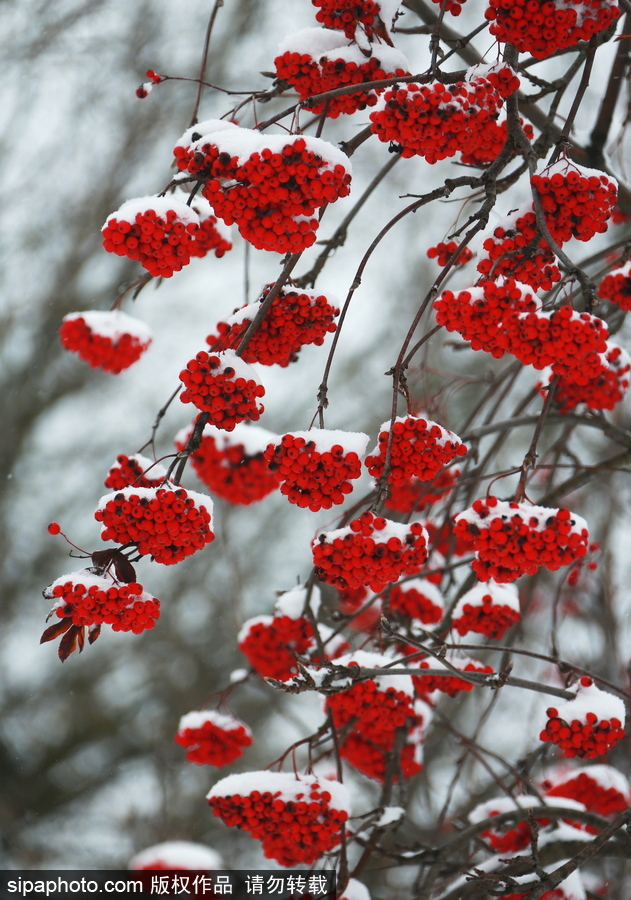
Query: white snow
x=198 y=718
x=292 y=603
x=605 y=776
x=587 y=699
x=368 y=660
x=252 y=438
x=323 y=43
x=426 y=588
x=178 y=855
x=283 y=786
x=160 y=205
x=501 y=595
x=112 y=324
x=389 y=815
x=249 y=624
x=149 y=493
x=504 y=509
x=229 y=359
x=355 y=890
x=324 y=440
x=382 y=536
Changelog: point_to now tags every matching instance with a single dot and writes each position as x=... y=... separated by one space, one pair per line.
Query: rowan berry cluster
x=515 y=249
x=294 y=319
x=211 y=237
x=315 y=61
x=231 y=464
x=415 y=495
x=175 y=856
x=166 y=524
x=296 y=820
x=350 y=602
x=513 y=539
x=418 y=599
x=370 y=551
x=348 y=15
x=600 y=788
x=452 y=6
x=541 y=27
x=602 y=390
x=159 y=232
x=587 y=726
x=448 y=684
x=130 y=471
x=481 y=314
x=506 y=838
x=419 y=448
x=616 y=287
x=269 y=185
x=212 y=738
x=492 y=141
x=576 y=202
x=444 y=250
x=436 y=121
x=315 y=468
x=271 y=644
x=224 y=386
x=90 y=598
x=111 y=341
x=487 y=609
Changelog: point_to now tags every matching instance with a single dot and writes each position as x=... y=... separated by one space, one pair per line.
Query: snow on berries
x=369 y=715
x=111 y=341
x=600 y=788
x=212 y=738
x=224 y=386
x=167 y=524
x=616 y=287
x=373 y=17
x=370 y=551
x=176 y=856
x=541 y=27
x=449 y=683
x=488 y=609
x=270 y=186
x=315 y=468
x=436 y=121
x=419 y=448
x=513 y=539
x=134 y=471
x=536 y=266
x=316 y=60
x=418 y=599
x=577 y=202
x=159 y=232
x=296 y=818
x=589 y=725
x=212 y=235
x=445 y=249
x=231 y=463
x=295 y=318
x=602 y=389
x=415 y=495
x=271 y=643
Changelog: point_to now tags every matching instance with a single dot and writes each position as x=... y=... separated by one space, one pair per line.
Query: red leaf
x=55 y=630
x=93 y=633
x=69 y=642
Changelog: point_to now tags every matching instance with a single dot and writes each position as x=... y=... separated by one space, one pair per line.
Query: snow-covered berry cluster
x=577 y=202
x=212 y=738
x=415 y=495
x=224 y=386
x=604 y=389
x=370 y=551
x=269 y=185
x=175 y=856
x=600 y=788
x=492 y=141
x=444 y=250
x=295 y=318
x=347 y=15
x=111 y=341
x=515 y=249
x=436 y=121
x=315 y=468
x=296 y=819
x=588 y=725
x=449 y=683
x=541 y=27
x=488 y=609
x=231 y=463
x=616 y=287
x=419 y=448
x=166 y=524
x=314 y=61
x=418 y=599
x=134 y=471
x=159 y=232
x=513 y=539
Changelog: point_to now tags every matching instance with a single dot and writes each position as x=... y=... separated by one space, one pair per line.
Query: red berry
x=224 y=386
x=212 y=738
x=420 y=448
x=54 y=528
x=111 y=341
x=588 y=725
x=129 y=471
x=487 y=609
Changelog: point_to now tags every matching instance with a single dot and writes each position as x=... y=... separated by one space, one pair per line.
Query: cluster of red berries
x=541 y=27
x=269 y=185
x=443 y=251
x=512 y=539
x=130 y=470
x=231 y=464
x=224 y=386
x=417 y=599
x=212 y=738
x=271 y=644
x=174 y=856
x=296 y=820
x=515 y=250
x=350 y=602
x=211 y=237
x=506 y=838
x=159 y=232
x=600 y=788
x=616 y=287
x=315 y=468
x=576 y=202
x=163 y=523
x=480 y=314
x=419 y=448
x=415 y=495
x=587 y=726
x=448 y=683
x=487 y=609
x=315 y=61
x=145 y=89
x=436 y=121
x=492 y=141
x=295 y=318
x=370 y=551
x=347 y=15
x=602 y=390
x=452 y=6
x=444 y=541
x=112 y=341
x=89 y=598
